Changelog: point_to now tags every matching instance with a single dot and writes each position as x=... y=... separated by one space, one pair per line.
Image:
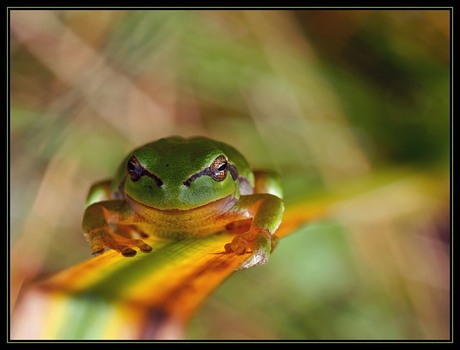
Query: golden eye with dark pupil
x=217 y=171
x=218 y=168
x=222 y=167
x=135 y=169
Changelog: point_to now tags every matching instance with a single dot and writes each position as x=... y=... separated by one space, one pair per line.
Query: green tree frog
x=185 y=188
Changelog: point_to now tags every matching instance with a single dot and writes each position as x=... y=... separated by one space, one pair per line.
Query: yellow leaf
x=153 y=296
x=149 y=296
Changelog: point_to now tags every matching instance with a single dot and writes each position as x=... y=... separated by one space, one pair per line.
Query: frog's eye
x=217 y=171
x=135 y=169
x=218 y=168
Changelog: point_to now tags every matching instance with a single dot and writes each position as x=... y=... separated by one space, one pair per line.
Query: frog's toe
x=125 y=246
x=259 y=257
x=237 y=246
x=105 y=238
x=259 y=242
x=96 y=243
x=228 y=248
x=144 y=247
x=128 y=252
x=97 y=251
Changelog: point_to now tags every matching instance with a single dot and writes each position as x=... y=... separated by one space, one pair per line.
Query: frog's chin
x=221 y=204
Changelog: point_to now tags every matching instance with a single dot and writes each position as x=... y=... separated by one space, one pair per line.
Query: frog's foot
x=257 y=241
x=102 y=238
x=130 y=231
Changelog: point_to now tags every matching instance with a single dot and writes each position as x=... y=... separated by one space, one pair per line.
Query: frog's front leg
x=266 y=211
x=97 y=222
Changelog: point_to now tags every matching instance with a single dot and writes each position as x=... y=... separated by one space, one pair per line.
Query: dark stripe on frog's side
x=207 y=172
x=233 y=171
x=120 y=192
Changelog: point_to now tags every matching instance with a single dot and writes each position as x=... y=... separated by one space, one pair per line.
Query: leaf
x=153 y=296
x=149 y=296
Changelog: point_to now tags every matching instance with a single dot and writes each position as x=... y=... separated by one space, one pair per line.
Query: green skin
x=182 y=188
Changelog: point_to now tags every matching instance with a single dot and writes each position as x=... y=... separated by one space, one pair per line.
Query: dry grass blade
x=153 y=296
x=150 y=296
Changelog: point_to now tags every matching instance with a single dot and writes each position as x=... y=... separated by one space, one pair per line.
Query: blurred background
x=339 y=102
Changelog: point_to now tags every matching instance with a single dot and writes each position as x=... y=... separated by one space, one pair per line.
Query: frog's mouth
x=218 y=206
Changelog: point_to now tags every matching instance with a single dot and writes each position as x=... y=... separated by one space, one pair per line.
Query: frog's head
x=178 y=173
